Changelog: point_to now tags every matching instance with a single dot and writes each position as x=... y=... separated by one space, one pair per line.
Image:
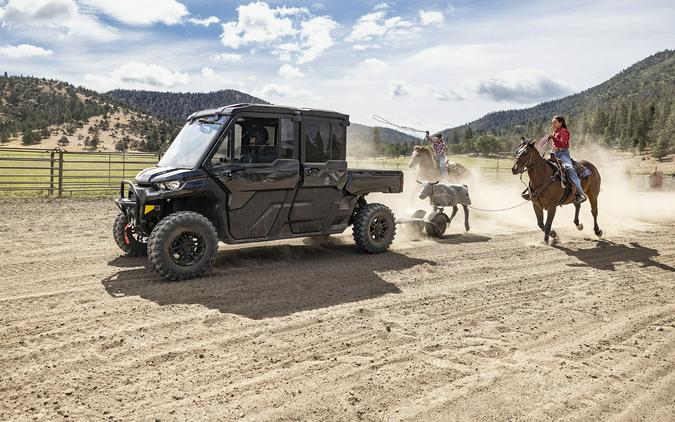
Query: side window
x=316 y=138
x=287 y=141
x=338 y=141
x=255 y=140
x=222 y=155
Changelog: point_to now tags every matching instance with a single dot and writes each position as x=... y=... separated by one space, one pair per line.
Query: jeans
x=564 y=157
x=441 y=164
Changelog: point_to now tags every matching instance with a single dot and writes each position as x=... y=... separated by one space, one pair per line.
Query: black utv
x=249 y=173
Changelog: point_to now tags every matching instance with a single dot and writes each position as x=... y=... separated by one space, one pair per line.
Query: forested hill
x=179 y=105
x=634 y=109
x=45 y=113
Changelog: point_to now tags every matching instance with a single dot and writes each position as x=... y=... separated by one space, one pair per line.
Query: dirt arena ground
x=489 y=325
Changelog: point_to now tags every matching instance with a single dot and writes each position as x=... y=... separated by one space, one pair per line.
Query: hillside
x=178 y=106
x=633 y=109
x=44 y=113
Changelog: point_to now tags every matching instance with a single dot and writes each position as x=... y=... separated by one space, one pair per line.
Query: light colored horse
x=427 y=167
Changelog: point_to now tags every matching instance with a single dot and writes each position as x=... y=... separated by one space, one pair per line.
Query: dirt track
x=474 y=326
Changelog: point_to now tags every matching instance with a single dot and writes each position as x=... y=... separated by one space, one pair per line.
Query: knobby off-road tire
x=182 y=246
x=125 y=238
x=374 y=228
x=436 y=228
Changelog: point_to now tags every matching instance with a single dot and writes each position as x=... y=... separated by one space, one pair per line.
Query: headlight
x=173 y=185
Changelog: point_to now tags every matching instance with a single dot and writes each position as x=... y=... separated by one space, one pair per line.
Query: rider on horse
x=561 y=144
x=439 y=149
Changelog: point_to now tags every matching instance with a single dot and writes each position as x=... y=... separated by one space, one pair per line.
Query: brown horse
x=427 y=167
x=546 y=191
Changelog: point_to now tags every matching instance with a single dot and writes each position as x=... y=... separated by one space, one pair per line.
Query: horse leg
x=576 y=217
x=593 y=199
x=550 y=215
x=539 y=213
x=466 y=217
x=454 y=212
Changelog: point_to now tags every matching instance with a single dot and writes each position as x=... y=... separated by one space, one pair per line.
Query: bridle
x=526 y=165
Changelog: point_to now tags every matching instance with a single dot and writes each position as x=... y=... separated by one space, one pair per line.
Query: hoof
x=554 y=234
x=580 y=226
x=598 y=233
x=546 y=240
x=466 y=227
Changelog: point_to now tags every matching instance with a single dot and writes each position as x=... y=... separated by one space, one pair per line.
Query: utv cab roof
x=269 y=108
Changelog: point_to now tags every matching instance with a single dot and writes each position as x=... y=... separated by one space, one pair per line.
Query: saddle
x=569 y=189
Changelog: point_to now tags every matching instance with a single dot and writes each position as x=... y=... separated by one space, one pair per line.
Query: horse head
x=414 y=160
x=524 y=156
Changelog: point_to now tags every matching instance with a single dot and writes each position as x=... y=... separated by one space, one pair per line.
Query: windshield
x=192 y=142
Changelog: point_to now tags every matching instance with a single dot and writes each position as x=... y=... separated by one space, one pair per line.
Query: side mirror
x=435 y=183
x=418 y=182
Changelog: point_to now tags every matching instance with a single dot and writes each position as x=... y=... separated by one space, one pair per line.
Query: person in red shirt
x=561 y=144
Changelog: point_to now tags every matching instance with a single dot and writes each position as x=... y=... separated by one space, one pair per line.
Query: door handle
x=228 y=173
x=310 y=170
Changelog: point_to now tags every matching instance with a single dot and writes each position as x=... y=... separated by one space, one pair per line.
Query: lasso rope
x=501 y=209
x=382 y=120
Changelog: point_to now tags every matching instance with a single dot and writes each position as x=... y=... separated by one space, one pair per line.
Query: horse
x=428 y=169
x=546 y=191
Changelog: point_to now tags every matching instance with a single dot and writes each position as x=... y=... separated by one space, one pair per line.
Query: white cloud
x=374 y=25
x=283 y=91
x=218 y=80
x=372 y=67
x=290 y=11
x=287 y=71
x=430 y=17
x=398 y=88
x=315 y=37
x=63 y=16
x=141 y=75
x=381 y=6
x=257 y=23
x=227 y=57
x=291 y=32
x=204 y=22
x=140 y=12
x=520 y=86
x=443 y=94
x=24 y=50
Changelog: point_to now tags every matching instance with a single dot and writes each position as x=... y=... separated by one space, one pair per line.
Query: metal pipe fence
x=59 y=172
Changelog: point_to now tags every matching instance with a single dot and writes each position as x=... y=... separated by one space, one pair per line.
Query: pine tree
x=664 y=142
x=63 y=141
x=468 y=133
x=377 y=141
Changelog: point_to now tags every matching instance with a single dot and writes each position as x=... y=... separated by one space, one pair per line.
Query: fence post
x=124 y=164
x=60 y=174
x=109 y=170
x=51 y=174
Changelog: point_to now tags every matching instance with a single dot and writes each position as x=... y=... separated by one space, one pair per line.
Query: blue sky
x=428 y=64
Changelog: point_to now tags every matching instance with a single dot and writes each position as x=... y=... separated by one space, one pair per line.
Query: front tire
x=374 y=228
x=182 y=246
x=130 y=243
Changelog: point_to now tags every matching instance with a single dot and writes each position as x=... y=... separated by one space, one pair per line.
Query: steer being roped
x=443 y=195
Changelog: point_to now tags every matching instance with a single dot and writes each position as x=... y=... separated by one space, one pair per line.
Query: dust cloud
x=625 y=202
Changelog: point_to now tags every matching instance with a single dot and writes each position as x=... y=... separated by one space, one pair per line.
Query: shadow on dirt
x=264 y=282
x=456 y=239
x=605 y=255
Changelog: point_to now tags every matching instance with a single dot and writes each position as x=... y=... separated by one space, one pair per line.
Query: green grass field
x=36 y=173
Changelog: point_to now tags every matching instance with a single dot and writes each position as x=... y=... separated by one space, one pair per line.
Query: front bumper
x=140 y=204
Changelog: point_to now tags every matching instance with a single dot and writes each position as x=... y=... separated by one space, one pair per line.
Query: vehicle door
x=256 y=162
x=323 y=173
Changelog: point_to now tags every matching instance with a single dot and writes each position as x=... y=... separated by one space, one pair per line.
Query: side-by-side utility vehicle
x=248 y=173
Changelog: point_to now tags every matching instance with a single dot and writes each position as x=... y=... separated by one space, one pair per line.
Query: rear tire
x=182 y=246
x=374 y=228
x=126 y=239
x=436 y=228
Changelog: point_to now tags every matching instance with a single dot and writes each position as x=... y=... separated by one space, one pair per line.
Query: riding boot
x=579 y=198
x=526 y=195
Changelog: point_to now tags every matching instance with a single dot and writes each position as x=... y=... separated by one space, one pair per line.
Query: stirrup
x=580 y=198
x=526 y=195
